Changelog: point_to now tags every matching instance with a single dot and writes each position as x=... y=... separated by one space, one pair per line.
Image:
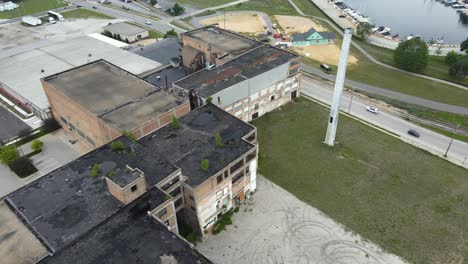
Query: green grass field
x=28 y=7
x=406 y=200
x=270 y=7
x=435 y=68
x=203 y=3
x=84 y=13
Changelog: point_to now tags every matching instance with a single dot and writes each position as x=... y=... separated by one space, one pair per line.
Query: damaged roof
x=260 y=60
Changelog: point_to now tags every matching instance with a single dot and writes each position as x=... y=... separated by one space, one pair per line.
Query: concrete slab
x=276 y=227
x=10 y=125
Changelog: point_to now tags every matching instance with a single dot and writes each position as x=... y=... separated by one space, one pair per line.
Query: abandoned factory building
x=97 y=101
x=121 y=202
x=248 y=80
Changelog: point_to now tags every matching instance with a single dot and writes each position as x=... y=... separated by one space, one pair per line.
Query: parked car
x=342 y=16
x=414 y=133
x=147 y=22
x=372 y=109
x=94 y=7
x=325 y=67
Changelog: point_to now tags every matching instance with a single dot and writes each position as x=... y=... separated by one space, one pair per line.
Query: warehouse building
x=21 y=73
x=127 y=32
x=123 y=212
x=98 y=101
x=259 y=80
x=211 y=46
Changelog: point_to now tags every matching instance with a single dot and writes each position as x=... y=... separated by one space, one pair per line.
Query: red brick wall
x=92 y=126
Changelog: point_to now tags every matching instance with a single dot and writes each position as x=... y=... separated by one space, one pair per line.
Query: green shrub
x=37 y=145
x=218 y=140
x=129 y=135
x=459 y=69
x=175 y=122
x=8 y=154
x=209 y=99
x=205 y=164
x=451 y=58
x=117 y=146
x=95 y=170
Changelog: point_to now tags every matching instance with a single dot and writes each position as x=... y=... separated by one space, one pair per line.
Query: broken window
x=219 y=179
x=134 y=188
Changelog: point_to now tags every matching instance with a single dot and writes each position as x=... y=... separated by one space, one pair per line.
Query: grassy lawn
x=435 y=68
x=28 y=7
x=409 y=202
x=270 y=7
x=203 y=3
x=84 y=13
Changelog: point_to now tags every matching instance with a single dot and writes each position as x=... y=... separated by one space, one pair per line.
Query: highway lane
x=429 y=140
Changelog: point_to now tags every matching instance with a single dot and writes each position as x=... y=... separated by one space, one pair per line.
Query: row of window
x=77 y=131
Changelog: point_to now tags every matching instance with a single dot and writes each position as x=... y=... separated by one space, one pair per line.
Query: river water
x=428 y=18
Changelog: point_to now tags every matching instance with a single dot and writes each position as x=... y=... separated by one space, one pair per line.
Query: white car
x=372 y=109
x=147 y=22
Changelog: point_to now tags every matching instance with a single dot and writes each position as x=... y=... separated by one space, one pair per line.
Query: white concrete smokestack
x=339 y=84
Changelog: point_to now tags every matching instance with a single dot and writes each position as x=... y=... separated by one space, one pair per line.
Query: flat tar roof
x=231 y=43
x=161 y=51
x=125 y=29
x=260 y=60
x=194 y=140
x=67 y=203
x=113 y=94
x=22 y=72
x=130 y=236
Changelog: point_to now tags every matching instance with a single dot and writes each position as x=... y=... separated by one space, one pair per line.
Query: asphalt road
x=428 y=139
x=158 y=25
x=390 y=94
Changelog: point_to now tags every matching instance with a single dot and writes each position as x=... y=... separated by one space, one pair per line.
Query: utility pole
x=338 y=91
x=451 y=140
x=351 y=101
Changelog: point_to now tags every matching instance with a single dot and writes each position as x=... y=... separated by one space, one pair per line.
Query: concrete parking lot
x=10 y=125
x=276 y=227
x=57 y=152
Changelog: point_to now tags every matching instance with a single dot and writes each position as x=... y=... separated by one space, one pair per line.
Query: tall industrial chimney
x=338 y=91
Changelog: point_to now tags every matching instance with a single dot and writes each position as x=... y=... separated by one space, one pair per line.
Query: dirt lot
x=14 y=35
x=245 y=23
x=276 y=227
x=296 y=24
x=329 y=54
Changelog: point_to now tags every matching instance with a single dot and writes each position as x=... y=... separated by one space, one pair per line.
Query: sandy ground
x=246 y=23
x=297 y=24
x=329 y=54
x=14 y=35
x=276 y=227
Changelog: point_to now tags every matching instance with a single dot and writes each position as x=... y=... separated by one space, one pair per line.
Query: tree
x=177 y=10
x=412 y=55
x=459 y=69
x=175 y=122
x=153 y=2
x=37 y=145
x=205 y=164
x=209 y=99
x=171 y=33
x=438 y=51
x=8 y=154
x=218 y=140
x=464 y=46
x=364 y=30
x=451 y=58
x=95 y=170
